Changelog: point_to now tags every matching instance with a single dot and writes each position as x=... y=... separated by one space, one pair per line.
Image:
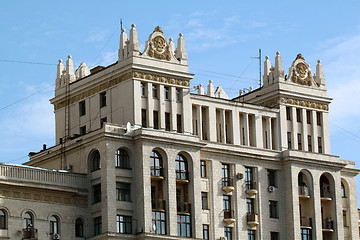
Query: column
x=150 y=106
x=236 y=127
x=186 y=111
x=199 y=120
x=258 y=131
x=223 y=130
x=282 y=128
x=246 y=129
x=325 y=133
x=304 y=130
x=173 y=113
x=161 y=107
x=294 y=129
x=212 y=123
x=314 y=131
x=268 y=124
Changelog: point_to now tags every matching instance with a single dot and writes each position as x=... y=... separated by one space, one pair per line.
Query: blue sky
x=220 y=40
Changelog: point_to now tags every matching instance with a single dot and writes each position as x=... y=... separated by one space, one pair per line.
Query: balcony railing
x=227 y=182
x=158 y=204
x=325 y=193
x=184 y=207
x=306 y=222
x=252 y=219
x=250 y=185
x=182 y=175
x=156 y=171
x=229 y=216
x=328 y=224
x=304 y=191
x=29 y=233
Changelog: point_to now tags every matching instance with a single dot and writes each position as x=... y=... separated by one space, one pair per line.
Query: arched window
x=156 y=164
x=95 y=160
x=122 y=159
x=3 y=222
x=181 y=167
x=54 y=225
x=28 y=221
x=325 y=187
x=79 y=228
x=343 y=191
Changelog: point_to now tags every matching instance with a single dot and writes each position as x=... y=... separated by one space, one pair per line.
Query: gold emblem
x=159 y=43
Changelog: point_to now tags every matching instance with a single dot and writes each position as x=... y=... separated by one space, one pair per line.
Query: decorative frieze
x=301 y=103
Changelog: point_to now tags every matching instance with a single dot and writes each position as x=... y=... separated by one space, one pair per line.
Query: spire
x=123 y=38
x=210 y=89
x=279 y=71
x=180 y=52
x=134 y=46
x=267 y=66
x=70 y=77
x=319 y=77
x=60 y=68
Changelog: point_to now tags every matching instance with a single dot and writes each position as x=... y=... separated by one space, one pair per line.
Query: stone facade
x=140 y=157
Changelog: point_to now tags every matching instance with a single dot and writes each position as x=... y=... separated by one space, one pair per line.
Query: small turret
x=267 y=66
x=70 y=76
x=180 y=52
x=122 y=53
x=279 y=71
x=210 y=89
x=60 y=68
x=134 y=46
x=319 y=77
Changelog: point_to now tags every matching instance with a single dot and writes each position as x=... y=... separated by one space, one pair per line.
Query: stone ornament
x=300 y=72
x=274 y=101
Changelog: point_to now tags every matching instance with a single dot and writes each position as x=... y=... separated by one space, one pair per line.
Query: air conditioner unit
x=239 y=176
x=271 y=188
x=56 y=236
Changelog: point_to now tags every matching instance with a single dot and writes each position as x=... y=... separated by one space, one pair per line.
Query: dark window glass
x=97 y=193
x=143 y=90
x=123 y=224
x=203 y=169
x=251 y=235
x=82 y=109
x=343 y=192
x=184 y=225
x=308 y=116
x=122 y=159
x=83 y=130
x=123 y=191
x=155 y=91
x=181 y=167
x=309 y=143
x=288 y=113
x=250 y=204
x=249 y=178
x=344 y=219
x=102 y=99
x=228 y=233
x=156 y=165
x=271 y=177
x=306 y=234
x=158 y=223
x=206 y=231
x=143 y=118
x=54 y=225
x=166 y=93
x=178 y=94
x=95 y=161
x=79 y=228
x=179 y=123
x=204 y=200
x=318 y=118
x=289 y=140
x=299 y=142
x=102 y=121
x=226 y=181
x=156 y=119
x=298 y=115
x=273 y=208
x=320 y=145
x=274 y=236
x=28 y=221
x=3 y=223
x=167 y=121
x=227 y=206
x=97 y=226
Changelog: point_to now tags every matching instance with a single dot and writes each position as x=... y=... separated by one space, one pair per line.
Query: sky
x=222 y=40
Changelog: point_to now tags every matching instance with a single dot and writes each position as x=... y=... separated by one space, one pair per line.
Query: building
x=140 y=157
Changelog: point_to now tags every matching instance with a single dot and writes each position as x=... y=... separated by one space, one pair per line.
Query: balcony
x=158 y=205
x=328 y=225
x=227 y=185
x=251 y=188
x=252 y=219
x=306 y=222
x=229 y=217
x=157 y=173
x=30 y=233
x=325 y=195
x=182 y=176
x=304 y=192
x=184 y=208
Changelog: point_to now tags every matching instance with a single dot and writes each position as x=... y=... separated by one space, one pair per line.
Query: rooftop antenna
x=259 y=57
x=121 y=23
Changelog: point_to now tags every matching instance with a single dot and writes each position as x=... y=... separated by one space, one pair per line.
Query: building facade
x=138 y=156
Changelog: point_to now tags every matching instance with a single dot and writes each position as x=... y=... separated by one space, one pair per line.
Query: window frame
x=102 y=99
x=123 y=191
x=123 y=224
x=203 y=169
x=205 y=200
x=156 y=164
x=273 y=209
x=97 y=225
x=96 y=190
x=206 y=231
x=82 y=108
x=155 y=91
x=181 y=167
x=122 y=159
x=28 y=220
x=159 y=221
x=3 y=219
x=54 y=225
x=79 y=227
x=184 y=225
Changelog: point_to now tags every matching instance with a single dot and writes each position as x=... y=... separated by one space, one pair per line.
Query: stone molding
x=296 y=102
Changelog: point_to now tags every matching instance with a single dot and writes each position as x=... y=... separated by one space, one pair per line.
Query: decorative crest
x=300 y=71
x=158 y=29
x=300 y=56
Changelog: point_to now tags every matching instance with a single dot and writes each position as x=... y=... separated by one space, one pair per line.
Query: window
x=54 y=225
x=343 y=192
x=250 y=205
x=123 y=224
x=298 y=115
x=184 y=225
x=167 y=121
x=308 y=117
x=82 y=130
x=82 y=110
x=306 y=234
x=102 y=121
x=274 y=236
x=158 y=223
x=123 y=191
x=273 y=209
x=79 y=228
x=156 y=119
x=122 y=159
x=204 y=200
x=166 y=93
x=97 y=226
x=251 y=235
x=309 y=143
x=203 y=172
x=318 y=118
x=227 y=206
x=299 y=141
x=155 y=91
x=155 y=164
x=28 y=221
x=249 y=178
x=226 y=181
x=289 y=140
x=288 y=113
x=143 y=90
x=344 y=219
x=228 y=233
x=96 y=193
x=181 y=167
x=320 y=145
x=206 y=232
x=179 y=123
x=95 y=160
x=3 y=223
x=271 y=177
x=102 y=99
x=143 y=118
x=178 y=94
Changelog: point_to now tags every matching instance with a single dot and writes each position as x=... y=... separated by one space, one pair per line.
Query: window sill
x=123 y=168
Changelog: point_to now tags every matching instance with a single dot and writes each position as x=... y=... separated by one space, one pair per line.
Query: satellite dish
x=128 y=127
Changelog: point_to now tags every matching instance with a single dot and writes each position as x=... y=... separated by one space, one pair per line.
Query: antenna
x=259 y=57
x=121 y=23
